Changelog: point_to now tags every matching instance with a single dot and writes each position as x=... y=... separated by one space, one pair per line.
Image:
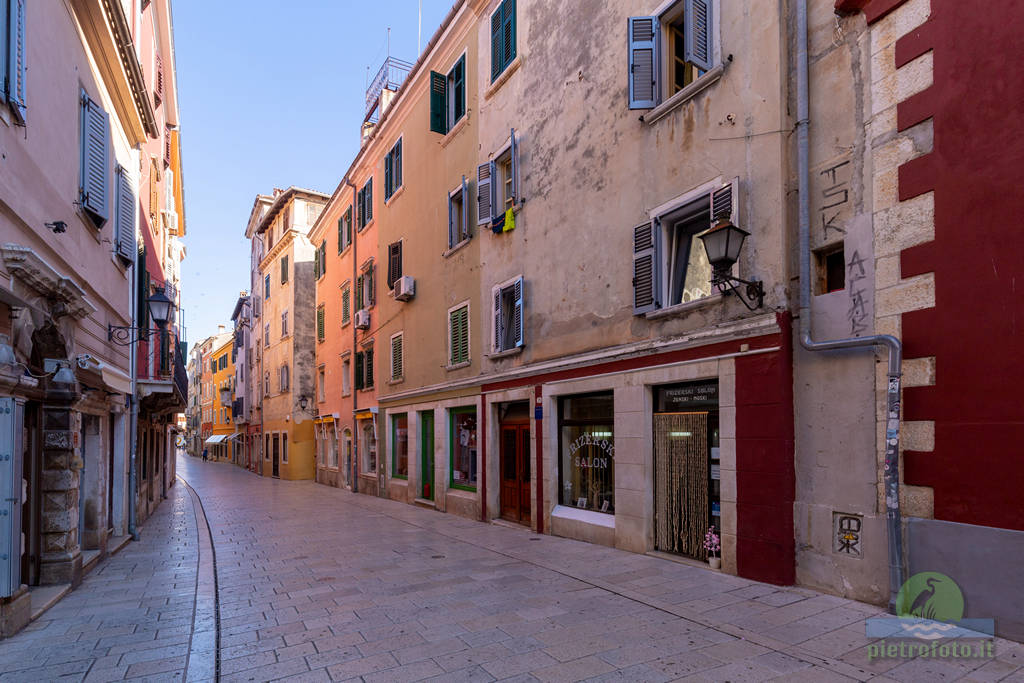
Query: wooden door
x=276 y=455
x=427 y=454
x=515 y=472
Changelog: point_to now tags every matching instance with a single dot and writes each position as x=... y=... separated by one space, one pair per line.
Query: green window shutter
x=323 y=258
x=348 y=226
x=458 y=78
x=284 y=269
x=346 y=309
x=438 y=103
x=359 y=370
x=697 y=17
x=316 y=266
x=496 y=47
x=388 y=179
x=368 y=359
x=508 y=32
x=369 y=200
x=341 y=234
x=371 y=291
x=396 y=357
x=320 y=323
x=397 y=165
x=359 y=293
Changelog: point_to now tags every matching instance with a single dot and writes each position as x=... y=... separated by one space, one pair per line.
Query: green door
x=427 y=454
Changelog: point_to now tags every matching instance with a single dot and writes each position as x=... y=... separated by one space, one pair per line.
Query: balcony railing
x=390 y=76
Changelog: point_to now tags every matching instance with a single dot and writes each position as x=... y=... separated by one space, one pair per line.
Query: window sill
x=458 y=247
x=346 y=394
x=400 y=480
x=604 y=519
x=455 y=130
x=365 y=226
x=396 y=380
x=506 y=353
x=394 y=195
x=458 y=366
x=344 y=249
x=684 y=308
x=684 y=95
x=504 y=76
x=462 y=491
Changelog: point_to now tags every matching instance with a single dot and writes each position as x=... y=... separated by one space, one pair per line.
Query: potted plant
x=713 y=544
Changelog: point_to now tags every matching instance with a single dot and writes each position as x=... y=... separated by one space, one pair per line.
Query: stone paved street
x=318 y=584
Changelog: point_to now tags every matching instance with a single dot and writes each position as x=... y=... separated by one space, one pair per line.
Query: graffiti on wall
x=835 y=199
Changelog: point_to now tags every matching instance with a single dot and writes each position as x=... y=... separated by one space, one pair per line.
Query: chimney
x=220 y=329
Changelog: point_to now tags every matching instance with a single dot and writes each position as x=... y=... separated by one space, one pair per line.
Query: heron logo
x=930 y=595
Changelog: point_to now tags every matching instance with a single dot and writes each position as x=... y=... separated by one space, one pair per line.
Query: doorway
x=427 y=454
x=32 y=508
x=514 y=457
x=686 y=467
x=276 y=464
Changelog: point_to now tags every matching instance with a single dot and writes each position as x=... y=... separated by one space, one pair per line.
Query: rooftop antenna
x=419 y=27
x=389 y=43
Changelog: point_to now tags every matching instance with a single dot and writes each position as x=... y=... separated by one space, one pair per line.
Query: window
x=364 y=368
x=503 y=37
x=284 y=324
x=283 y=383
x=670 y=265
x=95 y=131
x=400 y=446
x=508 y=316
x=365 y=200
x=320 y=323
x=397 y=366
x=284 y=269
x=266 y=334
x=266 y=383
x=368 y=445
x=320 y=260
x=462 y=444
x=448 y=97
x=266 y=286
x=365 y=295
x=284 y=448
x=394 y=263
x=222 y=362
x=458 y=215
x=13 y=70
x=497 y=186
x=346 y=304
x=312 y=212
x=320 y=388
x=345 y=230
x=668 y=52
x=586 y=451
x=346 y=372
x=458 y=335
x=393 y=170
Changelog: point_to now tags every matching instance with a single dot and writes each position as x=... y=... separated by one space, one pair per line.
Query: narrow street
x=321 y=584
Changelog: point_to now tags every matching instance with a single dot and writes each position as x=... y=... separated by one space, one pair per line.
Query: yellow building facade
x=222 y=372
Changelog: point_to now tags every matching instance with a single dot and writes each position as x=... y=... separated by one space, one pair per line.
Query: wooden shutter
x=517 y=313
x=698 y=33
x=497 y=320
x=389 y=186
x=284 y=269
x=394 y=263
x=643 y=62
x=359 y=370
x=508 y=32
x=320 y=323
x=360 y=302
x=348 y=226
x=158 y=94
x=16 y=60
x=484 y=192
x=496 y=47
x=341 y=233
x=322 y=252
x=95 y=130
x=371 y=292
x=368 y=359
x=167 y=147
x=396 y=166
x=645 y=268
x=725 y=202
x=438 y=103
x=125 y=217
x=369 y=200
x=346 y=309
x=316 y=265
x=513 y=156
x=396 y=357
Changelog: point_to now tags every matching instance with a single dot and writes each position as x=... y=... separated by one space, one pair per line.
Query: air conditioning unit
x=362 y=319
x=405 y=288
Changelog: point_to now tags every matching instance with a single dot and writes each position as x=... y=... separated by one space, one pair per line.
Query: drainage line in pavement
x=216 y=583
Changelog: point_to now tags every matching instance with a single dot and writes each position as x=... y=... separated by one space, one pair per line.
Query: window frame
x=518 y=305
x=452 y=413
x=393 y=170
x=345 y=230
x=395 y=474
x=465 y=233
x=364 y=197
x=399 y=336
x=284 y=323
x=395 y=265
x=454 y=363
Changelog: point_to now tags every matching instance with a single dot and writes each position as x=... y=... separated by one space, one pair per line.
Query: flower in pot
x=713 y=544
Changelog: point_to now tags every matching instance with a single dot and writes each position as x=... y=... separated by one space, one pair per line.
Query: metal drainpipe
x=891 y=343
x=133 y=424
x=353 y=465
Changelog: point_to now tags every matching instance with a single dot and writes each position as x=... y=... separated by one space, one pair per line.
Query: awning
x=116 y=380
x=215 y=439
x=364 y=415
x=237 y=435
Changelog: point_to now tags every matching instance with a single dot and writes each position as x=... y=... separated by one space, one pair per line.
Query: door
x=110 y=475
x=682 y=505
x=515 y=472
x=32 y=509
x=276 y=455
x=427 y=454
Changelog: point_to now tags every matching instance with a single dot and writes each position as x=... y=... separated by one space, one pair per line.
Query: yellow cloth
x=510 y=220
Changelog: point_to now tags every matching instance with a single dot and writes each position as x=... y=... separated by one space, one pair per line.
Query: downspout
x=133 y=424
x=353 y=465
x=891 y=343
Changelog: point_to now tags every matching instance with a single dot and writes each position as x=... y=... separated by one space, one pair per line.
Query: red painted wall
x=765 y=487
x=976 y=330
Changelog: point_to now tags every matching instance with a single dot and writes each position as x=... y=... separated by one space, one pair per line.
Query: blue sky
x=270 y=97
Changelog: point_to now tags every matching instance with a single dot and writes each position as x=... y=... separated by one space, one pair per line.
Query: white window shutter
x=484 y=181
x=16 y=66
x=517 y=316
x=643 y=62
x=497 y=320
x=699 y=50
x=95 y=128
x=125 y=217
x=645 y=268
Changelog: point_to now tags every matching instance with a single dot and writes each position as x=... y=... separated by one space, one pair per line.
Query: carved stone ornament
x=30 y=268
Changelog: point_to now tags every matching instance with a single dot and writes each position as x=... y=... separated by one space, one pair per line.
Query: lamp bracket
x=752 y=294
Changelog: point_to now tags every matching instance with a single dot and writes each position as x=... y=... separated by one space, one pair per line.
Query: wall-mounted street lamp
x=159 y=309
x=303 y=402
x=723 y=243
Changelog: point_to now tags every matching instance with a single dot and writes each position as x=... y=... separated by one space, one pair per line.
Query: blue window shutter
x=484 y=178
x=465 y=210
x=498 y=336
x=16 y=60
x=5 y=48
x=514 y=159
x=645 y=268
x=95 y=131
x=124 y=233
x=517 y=315
x=508 y=32
x=698 y=45
x=643 y=62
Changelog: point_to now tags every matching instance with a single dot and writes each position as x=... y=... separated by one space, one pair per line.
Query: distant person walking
x=206 y=455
